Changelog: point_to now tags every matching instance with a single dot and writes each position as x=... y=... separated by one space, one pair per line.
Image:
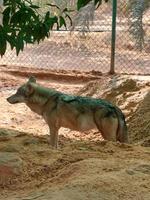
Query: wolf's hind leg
x=109 y=127
x=107 y=123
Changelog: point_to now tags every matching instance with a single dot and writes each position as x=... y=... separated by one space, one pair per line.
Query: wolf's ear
x=32 y=79
x=29 y=88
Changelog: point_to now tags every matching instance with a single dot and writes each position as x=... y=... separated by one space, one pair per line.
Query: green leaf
x=16 y=18
x=29 y=12
x=3 y=42
x=51 y=22
x=47 y=16
x=62 y=22
x=81 y=3
x=19 y=43
x=6 y=2
x=11 y=40
x=6 y=16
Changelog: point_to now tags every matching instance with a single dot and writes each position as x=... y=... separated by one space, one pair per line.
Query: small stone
x=10 y=148
x=130 y=172
x=11 y=162
x=30 y=141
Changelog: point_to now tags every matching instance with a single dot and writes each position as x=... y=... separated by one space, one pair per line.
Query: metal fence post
x=113 y=37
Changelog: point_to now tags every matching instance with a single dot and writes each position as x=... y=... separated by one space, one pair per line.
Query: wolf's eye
x=21 y=91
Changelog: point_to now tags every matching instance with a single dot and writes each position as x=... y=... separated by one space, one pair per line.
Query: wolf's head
x=23 y=92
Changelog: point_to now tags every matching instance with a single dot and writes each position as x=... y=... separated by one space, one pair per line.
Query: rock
x=3 y=133
x=10 y=148
x=7 y=132
x=144 y=168
x=4 y=136
x=10 y=162
x=29 y=141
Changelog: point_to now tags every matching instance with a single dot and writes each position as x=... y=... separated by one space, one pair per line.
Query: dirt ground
x=84 y=167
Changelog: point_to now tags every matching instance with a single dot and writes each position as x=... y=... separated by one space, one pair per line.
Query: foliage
x=82 y=3
x=22 y=22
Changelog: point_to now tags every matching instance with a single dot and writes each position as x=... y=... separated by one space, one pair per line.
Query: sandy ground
x=84 y=166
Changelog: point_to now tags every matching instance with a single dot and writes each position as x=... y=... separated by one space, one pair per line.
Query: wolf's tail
x=122 y=133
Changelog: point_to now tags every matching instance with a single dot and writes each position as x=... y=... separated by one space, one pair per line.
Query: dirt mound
x=139 y=126
x=77 y=170
x=130 y=94
x=126 y=91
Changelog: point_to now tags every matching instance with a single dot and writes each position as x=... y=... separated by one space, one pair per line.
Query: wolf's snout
x=12 y=100
x=8 y=99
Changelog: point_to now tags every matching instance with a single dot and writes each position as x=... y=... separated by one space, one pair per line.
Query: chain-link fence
x=91 y=49
x=133 y=37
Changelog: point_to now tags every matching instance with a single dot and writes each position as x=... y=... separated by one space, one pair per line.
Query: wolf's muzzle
x=12 y=101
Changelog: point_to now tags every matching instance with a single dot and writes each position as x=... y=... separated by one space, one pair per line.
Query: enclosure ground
x=84 y=166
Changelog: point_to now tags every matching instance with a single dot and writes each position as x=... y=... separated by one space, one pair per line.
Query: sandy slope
x=77 y=170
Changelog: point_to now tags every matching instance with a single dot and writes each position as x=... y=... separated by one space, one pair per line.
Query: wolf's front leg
x=53 y=137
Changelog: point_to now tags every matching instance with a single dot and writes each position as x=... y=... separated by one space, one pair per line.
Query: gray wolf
x=74 y=112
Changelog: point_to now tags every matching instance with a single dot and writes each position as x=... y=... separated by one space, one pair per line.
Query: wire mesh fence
x=133 y=38
x=91 y=49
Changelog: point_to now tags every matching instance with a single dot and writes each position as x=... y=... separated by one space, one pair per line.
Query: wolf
x=74 y=112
